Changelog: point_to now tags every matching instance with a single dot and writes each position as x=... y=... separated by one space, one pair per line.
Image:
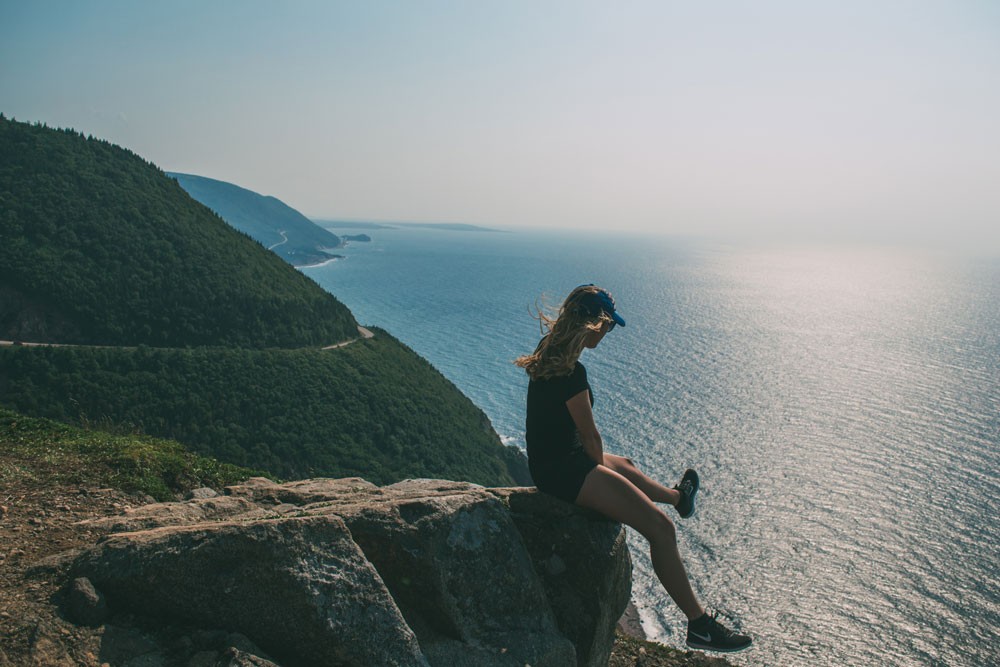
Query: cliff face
x=342 y=572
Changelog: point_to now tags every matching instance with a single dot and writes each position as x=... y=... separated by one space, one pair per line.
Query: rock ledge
x=342 y=572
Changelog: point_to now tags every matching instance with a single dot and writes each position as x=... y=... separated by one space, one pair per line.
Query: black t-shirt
x=549 y=428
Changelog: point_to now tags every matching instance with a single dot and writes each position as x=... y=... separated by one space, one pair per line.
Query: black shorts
x=563 y=477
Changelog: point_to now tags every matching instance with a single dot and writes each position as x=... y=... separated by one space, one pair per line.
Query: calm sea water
x=842 y=406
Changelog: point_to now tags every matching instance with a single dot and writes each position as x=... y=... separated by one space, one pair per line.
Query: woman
x=567 y=459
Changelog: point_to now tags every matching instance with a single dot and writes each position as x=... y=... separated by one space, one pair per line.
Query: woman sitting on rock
x=567 y=459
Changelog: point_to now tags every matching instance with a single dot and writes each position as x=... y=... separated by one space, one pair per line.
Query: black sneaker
x=689 y=489
x=707 y=634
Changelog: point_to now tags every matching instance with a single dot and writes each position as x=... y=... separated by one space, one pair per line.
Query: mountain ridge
x=200 y=333
x=276 y=225
x=98 y=246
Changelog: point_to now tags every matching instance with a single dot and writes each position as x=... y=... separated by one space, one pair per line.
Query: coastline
x=312 y=266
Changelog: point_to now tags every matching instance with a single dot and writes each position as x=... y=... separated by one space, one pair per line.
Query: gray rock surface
x=342 y=572
x=454 y=562
x=234 y=657
x=199 y=510
x=298 y=587
x=123 y=645
x=583 y=560
x=85 y=604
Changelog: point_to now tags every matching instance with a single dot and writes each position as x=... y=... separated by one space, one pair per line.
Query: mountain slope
x=276 y=225
x=99 y=246
x=372 y=408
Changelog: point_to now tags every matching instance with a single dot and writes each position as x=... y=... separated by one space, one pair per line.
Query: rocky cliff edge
x=342 y=572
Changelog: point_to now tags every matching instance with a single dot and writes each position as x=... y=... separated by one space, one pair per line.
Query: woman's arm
x=583 y=417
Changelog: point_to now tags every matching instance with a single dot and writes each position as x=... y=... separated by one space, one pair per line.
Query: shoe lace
x=719 y=627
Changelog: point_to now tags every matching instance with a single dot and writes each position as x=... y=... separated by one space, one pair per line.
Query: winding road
x=284 y=240
x=364 y=333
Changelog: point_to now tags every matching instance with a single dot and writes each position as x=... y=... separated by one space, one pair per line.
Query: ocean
x=841 y=404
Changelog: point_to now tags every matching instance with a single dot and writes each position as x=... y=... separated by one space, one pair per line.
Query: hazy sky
x=879 y=117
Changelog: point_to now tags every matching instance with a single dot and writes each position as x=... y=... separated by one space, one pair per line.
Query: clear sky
x=764 y=117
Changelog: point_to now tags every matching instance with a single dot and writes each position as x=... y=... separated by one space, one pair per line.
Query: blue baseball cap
x=593 y=304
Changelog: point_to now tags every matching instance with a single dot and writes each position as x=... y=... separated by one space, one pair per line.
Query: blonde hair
x=563 y=336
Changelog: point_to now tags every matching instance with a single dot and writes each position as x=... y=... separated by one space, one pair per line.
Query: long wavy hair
x=563 y=336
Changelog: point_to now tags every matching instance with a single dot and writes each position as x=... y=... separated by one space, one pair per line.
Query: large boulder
x=298 y=587
x=584 y=564
x=455 y=564
x=343 y=572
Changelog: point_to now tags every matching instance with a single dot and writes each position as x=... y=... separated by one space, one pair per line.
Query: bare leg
x=656 y=491
x=616 y=497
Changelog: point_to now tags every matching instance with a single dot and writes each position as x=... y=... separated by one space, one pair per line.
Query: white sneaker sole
x=704 y=647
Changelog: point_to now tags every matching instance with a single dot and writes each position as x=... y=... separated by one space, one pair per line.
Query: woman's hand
x=583 y=418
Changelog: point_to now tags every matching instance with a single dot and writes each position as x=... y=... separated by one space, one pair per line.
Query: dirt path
x=38 y=520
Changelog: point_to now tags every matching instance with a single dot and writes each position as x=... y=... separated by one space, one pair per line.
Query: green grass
x=42 y=450
x=632 y=652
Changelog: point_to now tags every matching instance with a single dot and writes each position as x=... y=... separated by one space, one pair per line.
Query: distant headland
x=444 y=226
x=273 y=223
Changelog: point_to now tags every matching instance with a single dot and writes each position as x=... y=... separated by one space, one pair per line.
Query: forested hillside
x=99 y=246
x=201 y=334
x=276 y=225
x=372 y=408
